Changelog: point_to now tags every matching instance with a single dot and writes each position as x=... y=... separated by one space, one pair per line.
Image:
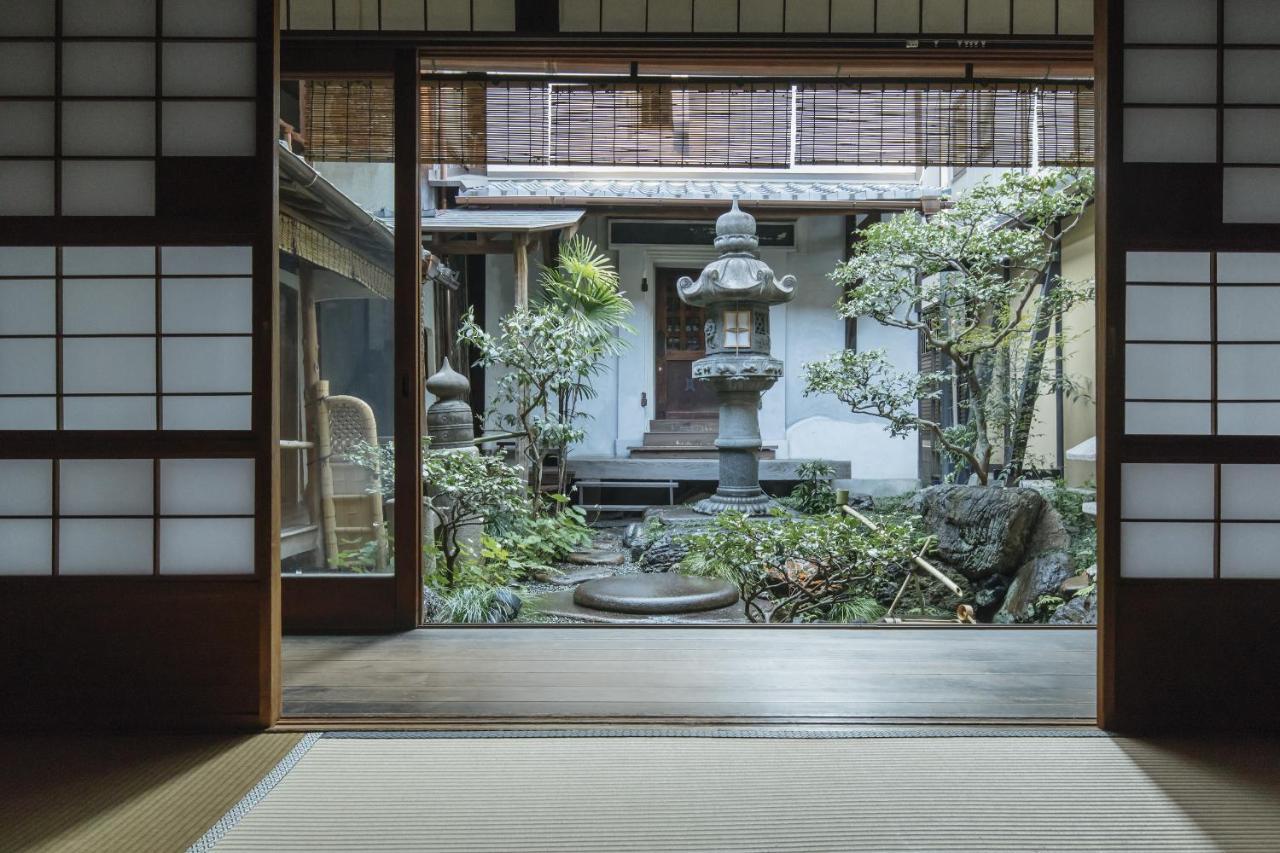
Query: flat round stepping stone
x=596 y=557
x=657 y=593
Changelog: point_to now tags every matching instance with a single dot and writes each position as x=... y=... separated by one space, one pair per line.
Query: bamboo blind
x=350 y=121
x=1067 y=125
x=710 y=124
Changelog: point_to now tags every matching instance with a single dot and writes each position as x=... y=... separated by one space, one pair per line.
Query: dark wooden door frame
x=664 y=285
x=383 y=603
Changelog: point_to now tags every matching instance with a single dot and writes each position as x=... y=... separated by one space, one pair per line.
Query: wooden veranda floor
x=780 y=674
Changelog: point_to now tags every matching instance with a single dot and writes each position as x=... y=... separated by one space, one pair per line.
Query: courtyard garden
x=996 y=542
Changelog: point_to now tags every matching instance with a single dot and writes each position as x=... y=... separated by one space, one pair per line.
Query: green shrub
x=807 y=569
x=813 y=495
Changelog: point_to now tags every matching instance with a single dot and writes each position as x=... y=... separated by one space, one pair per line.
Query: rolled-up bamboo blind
x=712 y=124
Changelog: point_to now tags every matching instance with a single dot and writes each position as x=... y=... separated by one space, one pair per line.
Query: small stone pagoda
x=737 y=290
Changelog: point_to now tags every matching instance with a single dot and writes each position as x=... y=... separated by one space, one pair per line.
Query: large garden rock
x=982 y=530
x=663 y=552
x=1041 y=575
x=1081 y=610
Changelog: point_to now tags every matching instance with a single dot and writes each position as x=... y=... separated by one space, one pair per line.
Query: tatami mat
x=125 y=794
x=768 y=794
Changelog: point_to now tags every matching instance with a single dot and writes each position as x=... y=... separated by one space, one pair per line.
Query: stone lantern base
x=738 y=381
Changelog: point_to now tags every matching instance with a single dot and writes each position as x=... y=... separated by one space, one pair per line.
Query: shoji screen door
x=1191 y=309
x=137 y=279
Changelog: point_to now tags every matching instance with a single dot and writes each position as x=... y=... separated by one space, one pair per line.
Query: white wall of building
x=806 y=329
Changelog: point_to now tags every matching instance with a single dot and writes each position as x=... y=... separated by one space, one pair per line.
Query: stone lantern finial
x=450 y=422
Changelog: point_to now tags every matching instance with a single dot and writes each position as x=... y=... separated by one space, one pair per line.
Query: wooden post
x=319 y=479
x=318 y=394
x=520 y=256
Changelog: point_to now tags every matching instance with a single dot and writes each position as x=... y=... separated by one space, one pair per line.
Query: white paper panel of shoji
x=1251 y=22
x=208 y=412
x=767 y=16
x=1249 y=267
x=28 y=261
x=207 y=365
x=26 y=128
x=28 y=487
x=1249 y=418
x=403 y=15
x=1167 y=372
x=1034 y=17
x=206 y=486
x=206 y=546
x=1250 y=492
x=1166 y=490
x=27 y=188
x=1251 y=76
x=108 y=188
x=1249 y=136
x=28 y=306
x=193 y=69
x=855 y=16
x=92 y=306
x=494 y=15
x=206 y=260
x=105 y=487
x=105 y=546
x=1075 y=17
x=1167 y=313
x=665 y=16
x=108 y=260
x=989 y=16
x=1164 y=550
x=1250 y=551
x=1158 y=267
x=108 y=68
x=1251 y=195
x=27 y=17
x=1182 y=76
x=1154 y=135
x=108 y=128
x=208 y=129
x=1249 y=372
x=578 y=16
x=109 y=365
x=1248 y=313
x=28 y=413
x=28 y=366
x=27 y=68
x=109 y=413
x=208 y=305
x=310 y=14
x=943 y=16
x=28 y=546
x=805 y=16
x=108 y=17
x=226 y=18
x=899 y=17
x=1168 y=418
x=1171 y=21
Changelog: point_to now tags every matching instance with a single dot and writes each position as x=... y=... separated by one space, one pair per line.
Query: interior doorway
x=680 y=338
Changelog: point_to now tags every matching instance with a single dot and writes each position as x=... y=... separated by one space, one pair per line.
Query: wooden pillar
x=319 y=477
x=408 y=342
x=520 y=257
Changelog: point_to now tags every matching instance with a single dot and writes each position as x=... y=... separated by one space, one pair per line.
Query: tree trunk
x=1029 y=390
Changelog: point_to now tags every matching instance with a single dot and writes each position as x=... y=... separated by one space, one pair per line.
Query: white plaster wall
x=806 y=329
x=370 y=185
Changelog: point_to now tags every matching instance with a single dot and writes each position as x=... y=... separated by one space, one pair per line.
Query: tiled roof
x=789 y=190
x=524 y=220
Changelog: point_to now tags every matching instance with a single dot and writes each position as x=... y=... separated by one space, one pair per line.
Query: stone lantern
x=736 y=290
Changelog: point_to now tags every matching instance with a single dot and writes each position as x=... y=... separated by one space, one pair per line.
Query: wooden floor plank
x=723 y=673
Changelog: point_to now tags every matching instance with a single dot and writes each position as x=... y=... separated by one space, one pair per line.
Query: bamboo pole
x=324 y=448
x=319 y=479
x=520 y=258
x=919 y=561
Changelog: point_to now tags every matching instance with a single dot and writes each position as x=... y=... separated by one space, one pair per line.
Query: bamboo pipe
x=919 y=561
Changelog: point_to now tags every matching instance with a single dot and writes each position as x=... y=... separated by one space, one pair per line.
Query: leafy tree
x=551 y=350
x=975 y=282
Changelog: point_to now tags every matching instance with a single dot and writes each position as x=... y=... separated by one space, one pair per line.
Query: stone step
x=711 y=425
x=680 y=439
x=676 y=451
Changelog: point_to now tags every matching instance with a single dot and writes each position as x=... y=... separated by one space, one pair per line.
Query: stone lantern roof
x=738 y=274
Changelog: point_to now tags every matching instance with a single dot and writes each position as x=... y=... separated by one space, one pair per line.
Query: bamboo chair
x=356 y=492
